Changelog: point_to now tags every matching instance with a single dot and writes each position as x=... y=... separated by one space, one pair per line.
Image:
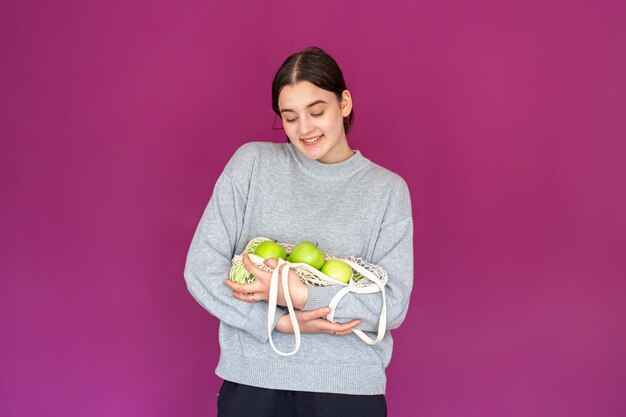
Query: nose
x=304 y=126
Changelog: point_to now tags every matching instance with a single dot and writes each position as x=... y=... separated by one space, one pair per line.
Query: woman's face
x=313 y=120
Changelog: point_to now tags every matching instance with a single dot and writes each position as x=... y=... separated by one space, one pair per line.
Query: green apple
x=308 y=253
x=337 y=270
x=240 y=275
x=269 y=249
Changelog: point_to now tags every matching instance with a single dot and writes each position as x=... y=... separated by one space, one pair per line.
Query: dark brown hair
x=315 y=66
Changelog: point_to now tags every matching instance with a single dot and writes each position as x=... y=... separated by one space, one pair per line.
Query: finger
x=271 y=262
x=351 y=324
x=315 y=314
x=252 y=268
x=248 y=264
x=343 y=327
x=248 y=298
x=242 y=288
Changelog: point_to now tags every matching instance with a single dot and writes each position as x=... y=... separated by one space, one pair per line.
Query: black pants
x=238 y=400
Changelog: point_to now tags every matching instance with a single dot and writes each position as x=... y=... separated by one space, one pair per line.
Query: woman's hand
x=259 y=290
x=313 y=322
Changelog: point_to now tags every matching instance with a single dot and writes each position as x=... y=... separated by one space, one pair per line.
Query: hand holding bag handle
x=284 y=275
x=380 y=286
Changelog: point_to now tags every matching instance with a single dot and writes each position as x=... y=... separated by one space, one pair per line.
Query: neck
x=329 y=171
x=339 y=153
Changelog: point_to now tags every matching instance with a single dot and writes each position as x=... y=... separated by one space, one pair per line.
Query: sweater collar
x=321 y=170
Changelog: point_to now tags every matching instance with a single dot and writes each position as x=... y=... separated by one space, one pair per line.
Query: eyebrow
x=310 y=105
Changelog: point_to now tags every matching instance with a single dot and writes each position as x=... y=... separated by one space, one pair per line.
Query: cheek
x=332 y=123
x=291 y=130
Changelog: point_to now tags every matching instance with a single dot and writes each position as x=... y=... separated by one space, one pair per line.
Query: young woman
x=316 y=188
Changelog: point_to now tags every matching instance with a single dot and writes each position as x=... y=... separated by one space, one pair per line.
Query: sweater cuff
x=256 y=323
x=320 y=296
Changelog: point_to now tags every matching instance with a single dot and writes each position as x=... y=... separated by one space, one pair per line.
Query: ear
x=346 y=103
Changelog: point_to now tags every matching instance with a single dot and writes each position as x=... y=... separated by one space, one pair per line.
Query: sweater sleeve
x=209 y=261
x=393 y=251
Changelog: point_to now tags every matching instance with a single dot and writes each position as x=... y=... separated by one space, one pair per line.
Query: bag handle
x=284 y=278
x=273 y=297
x=382 y=321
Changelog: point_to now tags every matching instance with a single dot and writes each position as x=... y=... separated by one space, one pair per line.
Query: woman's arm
x=314 y=322
x=209 y=260
x=393 y=251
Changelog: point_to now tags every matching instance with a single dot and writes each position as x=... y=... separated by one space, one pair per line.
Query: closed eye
x=312 y=114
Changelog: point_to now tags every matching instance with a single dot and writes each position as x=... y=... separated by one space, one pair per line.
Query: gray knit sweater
x=354 y=207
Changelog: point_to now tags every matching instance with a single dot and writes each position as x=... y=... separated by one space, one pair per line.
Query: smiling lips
x=313 y=140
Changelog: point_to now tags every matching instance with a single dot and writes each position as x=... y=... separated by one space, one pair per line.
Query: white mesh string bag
x=366 y=278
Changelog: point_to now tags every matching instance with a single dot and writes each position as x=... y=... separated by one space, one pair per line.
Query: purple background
x=507 y=119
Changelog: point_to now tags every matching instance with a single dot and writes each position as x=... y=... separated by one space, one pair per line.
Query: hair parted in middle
x=314 y=65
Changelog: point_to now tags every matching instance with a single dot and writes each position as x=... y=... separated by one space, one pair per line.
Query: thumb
x=318 y=313
x=271 y=262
